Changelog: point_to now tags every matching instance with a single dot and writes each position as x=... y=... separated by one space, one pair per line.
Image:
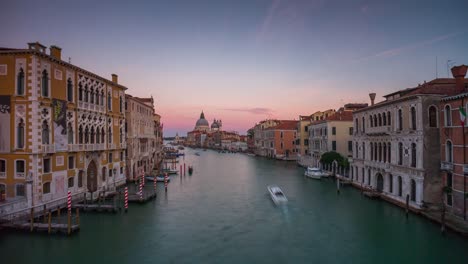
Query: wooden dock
x=97 y=207
x=42 y=227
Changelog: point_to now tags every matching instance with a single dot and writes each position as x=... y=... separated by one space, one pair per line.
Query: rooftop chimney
x=115 y=78
x=372 y=98
x=459 y=73
x=56 y=52
x=36 y=46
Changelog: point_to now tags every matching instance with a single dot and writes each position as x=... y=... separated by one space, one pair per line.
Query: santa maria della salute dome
x=203 y=125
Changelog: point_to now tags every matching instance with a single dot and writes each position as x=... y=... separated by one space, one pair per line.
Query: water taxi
x=277 y=195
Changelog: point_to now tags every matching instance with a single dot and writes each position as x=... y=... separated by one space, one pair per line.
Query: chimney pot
x=372 y=98
x=459 y=73
x=115 y=78
x=56 y=52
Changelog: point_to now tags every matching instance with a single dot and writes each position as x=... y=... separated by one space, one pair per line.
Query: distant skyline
x=244 y=61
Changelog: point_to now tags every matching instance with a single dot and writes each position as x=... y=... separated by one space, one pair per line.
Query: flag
x=462 y=115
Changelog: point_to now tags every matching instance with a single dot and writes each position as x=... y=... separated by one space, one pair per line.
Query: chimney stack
x=115 y=78
x=37 y=46
x=372 y=98
x=459 y=73
x=56 y=52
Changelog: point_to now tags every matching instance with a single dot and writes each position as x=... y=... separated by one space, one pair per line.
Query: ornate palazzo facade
x=62 y=129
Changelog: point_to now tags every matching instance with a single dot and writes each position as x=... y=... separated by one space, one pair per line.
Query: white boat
x=277 y=195
x=315 y=173
x=170 y=171
x=158 y=178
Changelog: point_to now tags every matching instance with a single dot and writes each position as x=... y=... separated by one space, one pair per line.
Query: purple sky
x=244 y=61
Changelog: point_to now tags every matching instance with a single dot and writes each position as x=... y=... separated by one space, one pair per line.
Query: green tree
x=250 y=133
x=329 y=157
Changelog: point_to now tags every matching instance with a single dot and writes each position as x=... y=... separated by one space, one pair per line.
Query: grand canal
x=223 y=214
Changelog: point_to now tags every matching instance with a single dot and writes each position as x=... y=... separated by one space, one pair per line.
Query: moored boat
x=170 y=171
x=277 y=194
x=315 y=173
x=190 y=170
x=159 y=178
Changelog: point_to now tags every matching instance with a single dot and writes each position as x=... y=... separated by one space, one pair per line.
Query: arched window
x=372 y=151
x=120 y=103
x=20 y=134
x=389 y=118
x=376 y=152
x=356 y=125
x=448 y=151
x=448 y=116
x=375 y=121
x=45 y=133
x=86 y=93
x=380 y=152
x=98 y=136
x=86 y=135
x=357 y=152
x=413 y=155
x=109 y=135
x=363 y=150
x=400 y=119
x=413 y=190
x=400 y=153
x=413 y=118
x=80 y=135
x=92 y=136
x=103 y=135
x=384 y=119
x=371 y=121
x=91 y=96
x=69 y=90
x=363 y=125
x=20 y=82
x=400 y=186
x=121 y=136
x=109 y=101
x=80 y=91
x=102 y=98
x=389 y=149
x=432 y=116
x=45 y=83
x=384 y=151
x=368 y=177
x=380 y=120
x=390 y=183
x=70 y=133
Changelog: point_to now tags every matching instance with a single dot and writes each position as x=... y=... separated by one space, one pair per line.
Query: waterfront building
x=260 y=144
x=280 y=140
x=396 y=147
x=450 y=117
x=302 y=137
x=332 y=132
x=143 y=136
x=62 y=128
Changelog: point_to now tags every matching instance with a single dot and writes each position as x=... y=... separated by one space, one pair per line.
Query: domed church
x=202 y=124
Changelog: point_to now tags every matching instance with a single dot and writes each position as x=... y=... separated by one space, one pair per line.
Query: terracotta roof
x=285 y=125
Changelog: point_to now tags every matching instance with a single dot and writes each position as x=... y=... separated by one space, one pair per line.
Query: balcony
x=50 y=148
x=378 y=164
x=112 y=146
x=447 y=166
x=378 y=130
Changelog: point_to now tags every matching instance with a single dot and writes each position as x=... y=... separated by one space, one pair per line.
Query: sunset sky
x=244 y=61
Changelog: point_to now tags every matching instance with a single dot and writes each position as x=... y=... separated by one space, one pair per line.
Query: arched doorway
x=413 y=190
x=92 y=176
x=380 y=182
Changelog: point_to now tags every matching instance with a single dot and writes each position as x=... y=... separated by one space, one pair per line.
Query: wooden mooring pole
x=50 y=222
x=44 y=214
x=78 y=216
x=407 y=205
x=32 y=219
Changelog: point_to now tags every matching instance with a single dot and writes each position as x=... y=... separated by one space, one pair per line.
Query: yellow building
x=62 y=128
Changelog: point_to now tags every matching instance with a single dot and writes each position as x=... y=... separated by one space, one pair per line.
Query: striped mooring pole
x=165 y=182
x=143 y=178
x=184 y=168
x=126 y=199
x=180 y=170
x=69 y=201
x=141 y=190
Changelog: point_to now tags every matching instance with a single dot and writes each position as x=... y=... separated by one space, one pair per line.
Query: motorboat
x=159 y=178
x=170 y=171
x=315 y=173
x=277 y=195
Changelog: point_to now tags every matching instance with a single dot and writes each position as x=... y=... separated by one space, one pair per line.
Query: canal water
x=223 y=214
